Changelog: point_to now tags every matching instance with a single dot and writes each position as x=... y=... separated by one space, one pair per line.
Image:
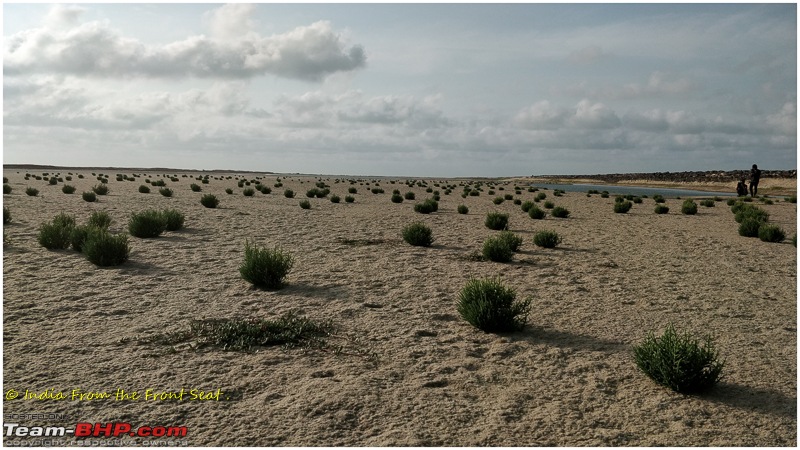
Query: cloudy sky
x=415 y=89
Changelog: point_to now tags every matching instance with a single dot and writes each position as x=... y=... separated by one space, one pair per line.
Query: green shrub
x=377 y=190
x=490 y=306
x=749 y=227
x=536 y=213
x=335 y=198
x=265 y=190
x=349 y=199
x=397 y=198
x=546 y=239
x=147 y=224
x=288 y=193
x=462 y=209
x=679 y=362
x=144 y=189
x=527 y=205
x=105 y=249
x=622 y=208
x=426 y=207
x=689 y=207
x=6 y=215
x=55 y=235
x=173 y=219
x=7 y=189
x=661 y=208
x=166 y=192
x=418 y=234
x=658 y=198
x=352 y=190
x=305 y=204
x=99 y=219
x=513 y=240
x=496 y=221
x=53 y=181
x=248 y=192
x=67 y=189
x=708 y=203
x=637 y=200
x=265 y=268
x=497 y=200
x=604 y=194
x=549 y=205
x=78 y=236
x=730 y=202
x=560 y=212
x=195 y=187
x=794 y=240
x=209 y=201
x=89 y=196
x=33 y=192
x=541 y=196
x=751 y=212
x=497 y=249
x=771 y=233
x=410 y=196
x=792 y=199
x=158 y=183
x=100 y=189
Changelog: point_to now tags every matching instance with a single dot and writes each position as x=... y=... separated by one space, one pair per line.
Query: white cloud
x=231 y=21
x=586 y=115
x=95 y=49
x=60 y=16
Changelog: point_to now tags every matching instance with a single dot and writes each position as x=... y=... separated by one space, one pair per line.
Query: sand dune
x=568 y=379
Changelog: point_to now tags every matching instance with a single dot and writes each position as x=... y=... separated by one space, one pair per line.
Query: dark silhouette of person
x=755 y=175
x=741 y=188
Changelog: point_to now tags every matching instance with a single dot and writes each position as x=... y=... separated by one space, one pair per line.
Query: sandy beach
x=410 y=371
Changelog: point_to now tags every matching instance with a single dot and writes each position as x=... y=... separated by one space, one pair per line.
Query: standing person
x=755 y=175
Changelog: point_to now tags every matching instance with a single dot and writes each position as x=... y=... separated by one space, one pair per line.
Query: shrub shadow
x=566 y=339
x=744 y=397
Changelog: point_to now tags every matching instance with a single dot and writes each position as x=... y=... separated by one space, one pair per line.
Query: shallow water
x=633 y=190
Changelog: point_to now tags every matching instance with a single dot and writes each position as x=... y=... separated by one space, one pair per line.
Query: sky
x=425 y=90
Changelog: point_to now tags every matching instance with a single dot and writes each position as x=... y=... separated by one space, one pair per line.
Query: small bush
x=560 y=212
x=427 y=207
x=377 y=190
x=409 y=196
x=248 y=192
x=6 y=215
x=689 y=207
x=751 y=212
x=7 y=189
x=513 y=240
x=546 y=239
x=497 y=249
x=637 y=200
x=335 y=198
x=661 y=208
x=496 y=221
x=349 y=199
x=305 y=204
x=78 y=236
x=195 y=187
x=679 y=362
x=100 y=189
x=99 y=219
x=536 y=213
x=418 y=234
x=397 y=198
x=541 y=196
x=771 y=233
x=708 y=203
x=497 y=200
x=53 y=181
x=288 y=193
x=55 y=235
x=67 y=189
x=89 y=196
x=658 y=198
x=209 y=201
x=622 y=208
x=33 y=192
x=144 y=189
x=173 y=219
x=490 y=306
x=265 y=268
x=105 y=249
x=147 y=224
x=730 y=202
x=749 y=227
x=792 y=199
x=265 y=190
x=527 y=205
x=462 y=209
x=166 y=192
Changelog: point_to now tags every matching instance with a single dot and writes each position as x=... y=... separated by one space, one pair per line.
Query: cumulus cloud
x=585 y=115
x=95 y=49
x=657 y=85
